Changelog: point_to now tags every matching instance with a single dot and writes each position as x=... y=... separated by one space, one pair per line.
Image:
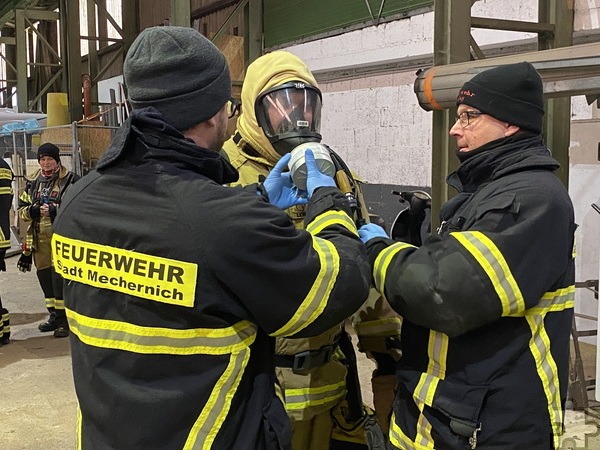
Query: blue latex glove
x=280 y=188
x=314 y=177
x=370 y=231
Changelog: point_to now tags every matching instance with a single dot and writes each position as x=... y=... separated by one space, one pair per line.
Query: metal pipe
x=565 y=71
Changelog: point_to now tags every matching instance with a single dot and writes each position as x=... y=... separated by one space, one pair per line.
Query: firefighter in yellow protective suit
x=281 y=108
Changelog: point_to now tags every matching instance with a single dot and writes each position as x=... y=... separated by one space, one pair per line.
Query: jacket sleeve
x=293 y=282
x=25 y=201
x=516 y=251
x=377 y=327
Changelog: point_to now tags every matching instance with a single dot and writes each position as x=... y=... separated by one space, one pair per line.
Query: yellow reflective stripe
x=540 y=348
x=383 y=261
x=400 y=440
x=3 y=242
x=493 y=263
x=59 y=303
x=6 y=190
x=330 y=218
x=381 y=327
x=317 y=298
x=25 y=197
x=49 y=302
x=118 y=335
x=553 y=302
x=437 y=349
x=217 y=407
x=303 y=398
x=6 y=174
x=423 y=395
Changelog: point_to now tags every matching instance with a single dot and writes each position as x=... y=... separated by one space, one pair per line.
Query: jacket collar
x=501 y=158
x=147 y=135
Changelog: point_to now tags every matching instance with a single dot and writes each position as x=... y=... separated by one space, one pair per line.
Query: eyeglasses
x=464 y=117
x=233 y=107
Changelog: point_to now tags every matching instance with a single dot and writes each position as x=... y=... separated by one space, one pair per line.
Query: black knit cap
x=48 y=149
x=179 y=72
x=511 y=93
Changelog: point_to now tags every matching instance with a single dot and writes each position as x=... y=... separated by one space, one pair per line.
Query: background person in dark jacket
x=488 y=301
x=6 y=197
x=177 y=285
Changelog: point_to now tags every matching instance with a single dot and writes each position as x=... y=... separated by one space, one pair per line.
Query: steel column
x=557 y=121
x=452 y=36
x=70 y=29
x=253 y=26
x=92 y=54
x=180 y=13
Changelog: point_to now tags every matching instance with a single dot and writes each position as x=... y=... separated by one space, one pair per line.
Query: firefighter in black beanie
x=37 y=205
x=488 y=300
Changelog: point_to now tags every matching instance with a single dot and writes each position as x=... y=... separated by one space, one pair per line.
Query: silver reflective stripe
x=317 y=298
x=137 y=339
x=382 y=263
x=495 y=266
x=329 y=218
x=313 y=396
x=234 y=340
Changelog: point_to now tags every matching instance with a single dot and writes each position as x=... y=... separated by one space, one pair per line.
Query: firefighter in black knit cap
x=38 y=205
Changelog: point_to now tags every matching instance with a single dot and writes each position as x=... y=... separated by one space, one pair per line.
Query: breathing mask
x=290 y=115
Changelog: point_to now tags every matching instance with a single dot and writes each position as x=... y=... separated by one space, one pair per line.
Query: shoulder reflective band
x=133 y=273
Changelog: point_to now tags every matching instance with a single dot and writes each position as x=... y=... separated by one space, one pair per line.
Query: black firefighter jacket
x=488 y=304
x=176 y=286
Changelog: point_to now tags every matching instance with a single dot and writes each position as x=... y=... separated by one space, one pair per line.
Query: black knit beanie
x=48 y=149
x=179 y=72
x=511 y=93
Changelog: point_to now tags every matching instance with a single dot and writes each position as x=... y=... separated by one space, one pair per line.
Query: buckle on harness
x=310 y=359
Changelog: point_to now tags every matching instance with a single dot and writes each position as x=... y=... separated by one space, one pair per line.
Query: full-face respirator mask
x=290 y=116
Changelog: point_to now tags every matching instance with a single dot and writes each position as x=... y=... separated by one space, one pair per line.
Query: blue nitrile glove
x=370 y=231
x=279 y=186
x=314 y=177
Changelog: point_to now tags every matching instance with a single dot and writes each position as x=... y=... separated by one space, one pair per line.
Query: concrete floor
x=37 y=398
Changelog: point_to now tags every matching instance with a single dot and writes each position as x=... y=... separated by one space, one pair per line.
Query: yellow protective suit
x=309 y=397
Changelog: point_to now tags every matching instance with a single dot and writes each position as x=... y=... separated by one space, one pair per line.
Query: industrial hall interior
x=392 y=239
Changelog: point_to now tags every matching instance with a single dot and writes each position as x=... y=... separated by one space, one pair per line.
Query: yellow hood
x=270 y=70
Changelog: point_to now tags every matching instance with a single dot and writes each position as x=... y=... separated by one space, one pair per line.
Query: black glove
x=34 y=211
x=2 y=262
x=24 y=262
x=414 y=222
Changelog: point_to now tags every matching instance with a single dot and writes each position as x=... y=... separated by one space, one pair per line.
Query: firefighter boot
x=50 y=325
x=62 y=326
